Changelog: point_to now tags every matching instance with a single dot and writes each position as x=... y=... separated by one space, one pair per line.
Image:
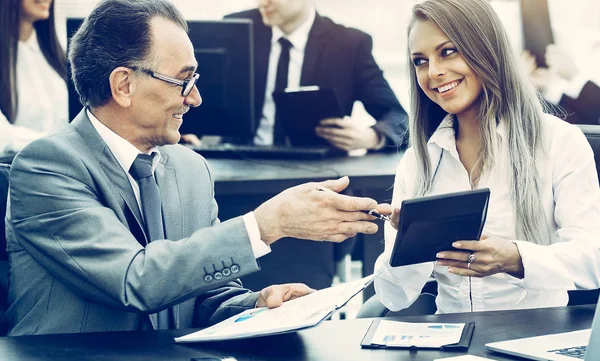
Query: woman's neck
x=468 y=146
x=468 y=129
x=25 y=30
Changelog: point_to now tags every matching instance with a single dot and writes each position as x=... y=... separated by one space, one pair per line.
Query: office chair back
x=423 y=305
x=4 y=269
x=592 y=133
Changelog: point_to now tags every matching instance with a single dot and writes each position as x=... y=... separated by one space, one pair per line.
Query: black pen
x=371 y=212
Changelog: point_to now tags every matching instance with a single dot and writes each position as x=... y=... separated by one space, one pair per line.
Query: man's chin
x=171 y=138
x=267 y=21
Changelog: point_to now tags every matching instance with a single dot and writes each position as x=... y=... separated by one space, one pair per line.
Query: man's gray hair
x=116 y=33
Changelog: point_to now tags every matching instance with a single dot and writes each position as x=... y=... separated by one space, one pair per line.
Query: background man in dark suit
x=329 y=55
x=112 y=226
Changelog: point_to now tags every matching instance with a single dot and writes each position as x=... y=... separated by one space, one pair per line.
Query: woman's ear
x=122 y=86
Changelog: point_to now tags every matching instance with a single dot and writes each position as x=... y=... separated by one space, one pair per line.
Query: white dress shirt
x=298 y=38
x=569 y=258
x=576 y=29
x=42 y=103
x=125 y=153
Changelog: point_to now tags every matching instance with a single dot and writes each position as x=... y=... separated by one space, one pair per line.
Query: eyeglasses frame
x=184 y=84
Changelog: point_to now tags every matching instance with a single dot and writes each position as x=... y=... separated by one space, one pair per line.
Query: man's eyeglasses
x=186 y=84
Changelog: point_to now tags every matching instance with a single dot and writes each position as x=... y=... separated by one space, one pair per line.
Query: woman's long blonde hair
x=507 y=96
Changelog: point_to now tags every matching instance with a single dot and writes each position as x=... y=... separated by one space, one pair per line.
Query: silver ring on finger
x=470 y=260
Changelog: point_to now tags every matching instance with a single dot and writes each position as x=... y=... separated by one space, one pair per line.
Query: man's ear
x=122 y=86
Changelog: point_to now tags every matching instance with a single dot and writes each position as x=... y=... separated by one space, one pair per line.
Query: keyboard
x=226 y=150
x=575 y=352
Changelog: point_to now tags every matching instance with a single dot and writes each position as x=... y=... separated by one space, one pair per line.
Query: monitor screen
x=224 y=50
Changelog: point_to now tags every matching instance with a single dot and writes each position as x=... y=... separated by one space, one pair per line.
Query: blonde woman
x=476 y=122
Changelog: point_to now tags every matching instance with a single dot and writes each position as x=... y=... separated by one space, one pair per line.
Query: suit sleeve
x=60 y=218
x=586 y=106
x=377 y=97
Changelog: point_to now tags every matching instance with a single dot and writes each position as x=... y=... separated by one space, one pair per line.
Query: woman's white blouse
x=43 y=99
x=568 y=258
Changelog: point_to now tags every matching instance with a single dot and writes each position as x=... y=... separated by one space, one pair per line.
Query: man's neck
x=117 y=122
x=291 y=26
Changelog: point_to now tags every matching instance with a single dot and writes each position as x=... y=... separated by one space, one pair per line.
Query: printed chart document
x=406 y=334
x=464 y=358
x=394 y=334
x=299 y=313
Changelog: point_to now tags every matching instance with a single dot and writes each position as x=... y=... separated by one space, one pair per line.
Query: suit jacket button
x=218 y=275
x=226 y=272
x=235 y=268
x=208 y=278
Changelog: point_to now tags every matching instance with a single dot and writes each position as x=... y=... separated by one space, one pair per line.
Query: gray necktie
x=141 y=171
x=537 y=31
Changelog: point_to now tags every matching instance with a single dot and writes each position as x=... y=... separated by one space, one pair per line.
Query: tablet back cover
x=431 y=224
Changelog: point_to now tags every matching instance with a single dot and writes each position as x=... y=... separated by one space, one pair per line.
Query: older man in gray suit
x=94 y=248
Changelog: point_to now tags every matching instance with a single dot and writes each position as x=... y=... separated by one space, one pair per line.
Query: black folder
x=431 y=224
x=463 y=344
x=301 y=110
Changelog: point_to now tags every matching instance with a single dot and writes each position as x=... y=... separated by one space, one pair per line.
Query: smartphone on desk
x=214 y=358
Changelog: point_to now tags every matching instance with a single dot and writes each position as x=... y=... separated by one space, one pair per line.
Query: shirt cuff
x=542 y=270
x=381 y=142
x=259 y=248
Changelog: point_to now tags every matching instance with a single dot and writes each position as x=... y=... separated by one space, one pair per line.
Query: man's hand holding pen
x=316 y=211
x=383 y=211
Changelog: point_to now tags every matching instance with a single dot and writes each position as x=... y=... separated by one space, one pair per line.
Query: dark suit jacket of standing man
x=78 y=253
x=586 y=106
x=340 y=58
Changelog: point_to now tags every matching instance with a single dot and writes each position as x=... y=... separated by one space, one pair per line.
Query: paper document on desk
x=464 y=358
x=407 y=334
x=293 y=315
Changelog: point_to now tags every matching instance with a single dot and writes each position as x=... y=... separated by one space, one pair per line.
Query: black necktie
x=537 y=31
x=141 y=171
x=281 y=82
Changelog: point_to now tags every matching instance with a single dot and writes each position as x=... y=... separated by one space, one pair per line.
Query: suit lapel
x=114 y=173
x=109 y=164
x=313 y=52
x=172 y=207
x=170 y=198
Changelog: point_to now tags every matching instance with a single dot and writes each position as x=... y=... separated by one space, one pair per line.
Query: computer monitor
x=224 y=50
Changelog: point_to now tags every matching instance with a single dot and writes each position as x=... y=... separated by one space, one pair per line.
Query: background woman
x=476 y=122
x=33 y=91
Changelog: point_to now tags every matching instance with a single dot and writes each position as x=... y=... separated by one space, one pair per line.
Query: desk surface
x=249 y=176
x=332 y=340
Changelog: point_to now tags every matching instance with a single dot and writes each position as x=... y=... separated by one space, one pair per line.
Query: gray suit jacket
x=78 y=253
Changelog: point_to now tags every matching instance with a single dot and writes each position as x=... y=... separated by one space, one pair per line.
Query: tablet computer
x=302 y=109
x=429 y=225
